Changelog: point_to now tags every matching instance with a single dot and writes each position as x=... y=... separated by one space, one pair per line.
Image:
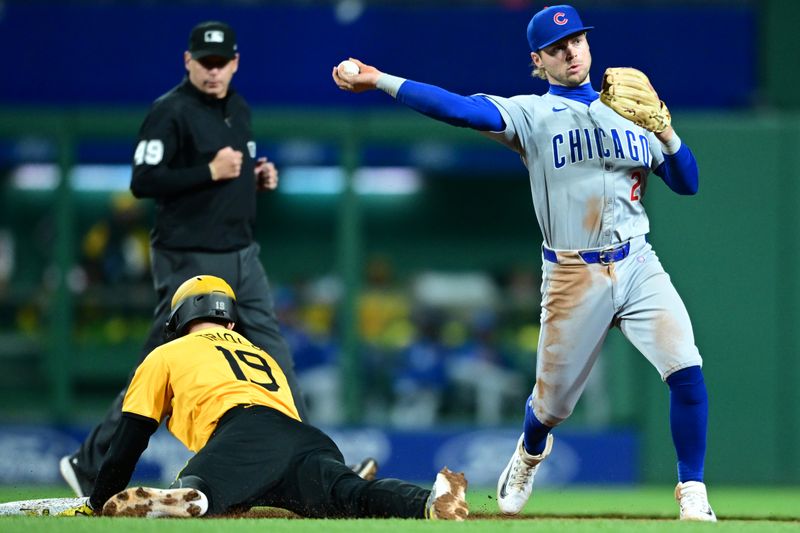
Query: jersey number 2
x=253 y=360
x=637 y=186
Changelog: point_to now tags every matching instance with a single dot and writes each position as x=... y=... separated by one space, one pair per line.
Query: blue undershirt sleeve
x=679 y=171
x=475 y=112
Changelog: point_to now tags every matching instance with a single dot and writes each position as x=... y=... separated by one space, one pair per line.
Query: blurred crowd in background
x=435 y=346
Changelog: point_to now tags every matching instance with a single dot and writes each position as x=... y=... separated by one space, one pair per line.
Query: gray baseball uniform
x=588 y=169
x=567 y=146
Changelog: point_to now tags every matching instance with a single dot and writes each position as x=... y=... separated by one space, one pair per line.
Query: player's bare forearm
x=666 y=135
x=365 y=80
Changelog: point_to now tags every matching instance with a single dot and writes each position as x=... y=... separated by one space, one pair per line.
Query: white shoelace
x=520 y=474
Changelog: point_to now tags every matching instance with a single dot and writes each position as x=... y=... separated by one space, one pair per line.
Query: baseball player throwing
x=588 y=156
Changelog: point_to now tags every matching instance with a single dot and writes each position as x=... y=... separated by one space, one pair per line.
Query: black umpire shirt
x=178 y=139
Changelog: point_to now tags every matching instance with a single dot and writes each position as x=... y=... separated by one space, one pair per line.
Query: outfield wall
x=30 y=454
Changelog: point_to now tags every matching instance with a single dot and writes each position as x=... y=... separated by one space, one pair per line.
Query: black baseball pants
x=258 y=456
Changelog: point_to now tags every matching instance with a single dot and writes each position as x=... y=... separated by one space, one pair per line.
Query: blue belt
x=604 y=257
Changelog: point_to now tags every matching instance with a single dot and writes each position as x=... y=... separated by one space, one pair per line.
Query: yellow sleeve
x=150 y=393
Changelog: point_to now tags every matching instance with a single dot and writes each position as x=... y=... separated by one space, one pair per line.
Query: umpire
x=196 y=157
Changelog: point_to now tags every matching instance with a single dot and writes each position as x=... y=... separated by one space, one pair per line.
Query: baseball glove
x=628 y=92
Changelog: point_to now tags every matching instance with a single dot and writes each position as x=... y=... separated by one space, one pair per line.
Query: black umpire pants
x=243 y=271
x=258 y=456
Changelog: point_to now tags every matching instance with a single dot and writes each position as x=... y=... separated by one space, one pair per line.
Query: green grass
x=552 y=510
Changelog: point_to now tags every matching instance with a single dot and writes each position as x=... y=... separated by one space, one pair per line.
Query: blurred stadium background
x=404 y=255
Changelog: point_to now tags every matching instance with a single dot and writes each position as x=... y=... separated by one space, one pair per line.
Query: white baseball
x=348 y=68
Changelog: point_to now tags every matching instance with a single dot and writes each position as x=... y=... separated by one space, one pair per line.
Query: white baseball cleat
x=448 y=499
x=157 y=503
x=693 y=500
x=516 y=482
x=68 y=465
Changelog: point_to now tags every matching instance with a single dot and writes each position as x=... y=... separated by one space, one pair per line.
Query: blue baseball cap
x=552 y=24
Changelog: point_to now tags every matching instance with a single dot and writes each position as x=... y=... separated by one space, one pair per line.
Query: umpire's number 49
x=251 y=360
x=149 y=152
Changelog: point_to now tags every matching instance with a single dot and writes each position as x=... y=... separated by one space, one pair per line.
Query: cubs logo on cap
x=212 y=38
x=552 y=24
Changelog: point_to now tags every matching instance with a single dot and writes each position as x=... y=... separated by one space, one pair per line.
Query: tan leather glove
x=628 y=92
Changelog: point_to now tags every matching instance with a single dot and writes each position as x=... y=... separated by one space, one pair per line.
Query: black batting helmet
x=200 y=297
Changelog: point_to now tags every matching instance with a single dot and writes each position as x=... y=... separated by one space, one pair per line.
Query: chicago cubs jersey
x=588 y=168
x=195 y=379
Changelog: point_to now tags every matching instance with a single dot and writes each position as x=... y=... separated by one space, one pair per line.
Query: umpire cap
x=212 y=38
x=552 y=24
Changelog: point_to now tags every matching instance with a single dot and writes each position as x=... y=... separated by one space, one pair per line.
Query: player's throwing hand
x=365 y=80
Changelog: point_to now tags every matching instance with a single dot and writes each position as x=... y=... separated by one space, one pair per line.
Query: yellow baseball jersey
x=195 y=379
